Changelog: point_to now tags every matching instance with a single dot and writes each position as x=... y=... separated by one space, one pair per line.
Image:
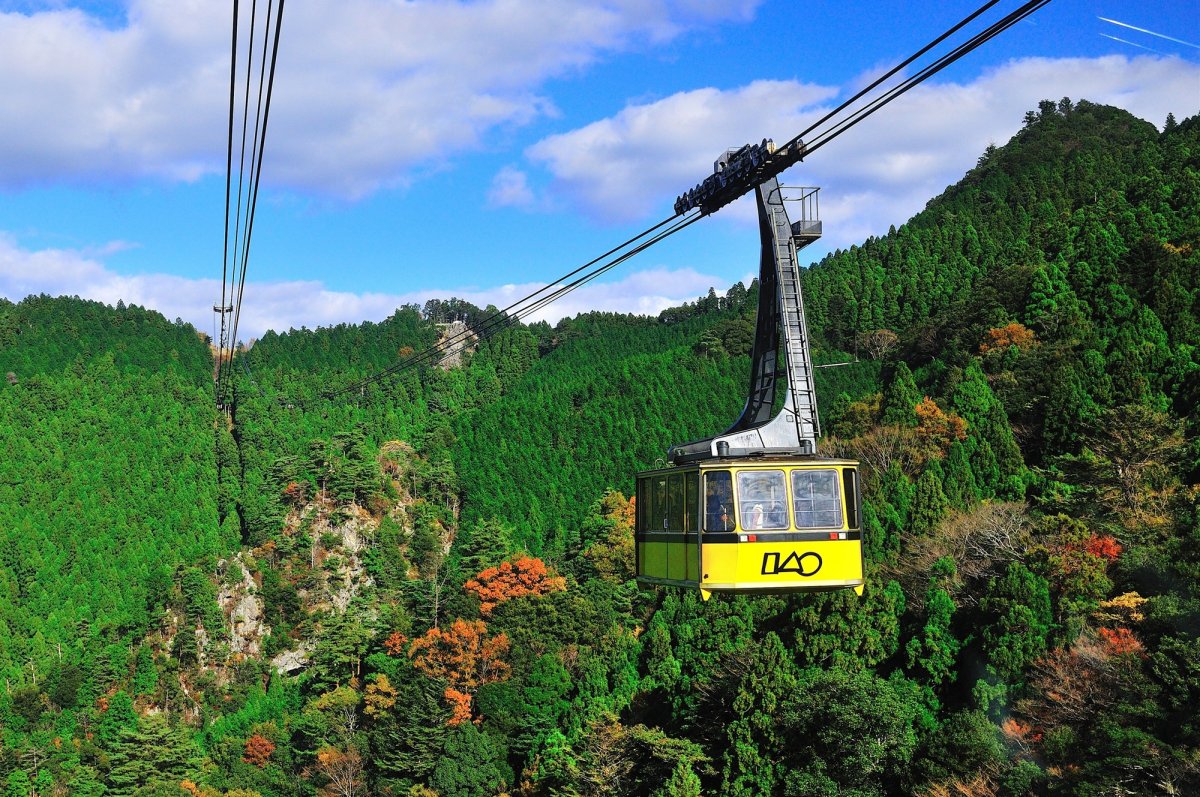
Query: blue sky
x=481 y=149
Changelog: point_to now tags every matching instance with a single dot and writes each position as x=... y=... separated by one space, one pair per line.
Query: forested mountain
x=423 y=586
x=107 y=484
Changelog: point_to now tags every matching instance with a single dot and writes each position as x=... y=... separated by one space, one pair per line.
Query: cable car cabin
x=766 y=524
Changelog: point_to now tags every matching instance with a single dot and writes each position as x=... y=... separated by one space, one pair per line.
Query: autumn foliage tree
x=937 y=429
x=465 y=658
x=295 y=494
x=1001 y=338
x=525 y=576
x=380 y=696
x=1076 y=560
x=258 y=750
x=607 y=535
x=343 y=769
x=395 y=643
x=1121 y=641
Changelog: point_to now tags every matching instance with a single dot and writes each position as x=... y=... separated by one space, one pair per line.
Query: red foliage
x=258 y=750
x=395 y=643
x=294 y=493
x=1103 y=546
x=1120 y=640
x=526 y=576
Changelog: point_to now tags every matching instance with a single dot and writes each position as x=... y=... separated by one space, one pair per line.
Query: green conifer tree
x=473 y=764
x=145 y=676
x=543 y=702
x=752 y=739
x=116 y=720
x=929 y=503
x=935 y=651
x=150 y=753
x=987 y=421
x=684 y=782
x=1018 y=605
x=900 y=397
x=17 y=784
x=959 y=486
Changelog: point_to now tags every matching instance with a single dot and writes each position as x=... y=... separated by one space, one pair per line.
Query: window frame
x=838 y=508
x=747 y=505
x=731 y=512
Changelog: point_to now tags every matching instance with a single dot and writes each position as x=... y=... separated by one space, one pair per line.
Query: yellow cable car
x=767 y=524
x=754 y=509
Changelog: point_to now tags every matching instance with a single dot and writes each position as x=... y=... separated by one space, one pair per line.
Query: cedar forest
x=426 y=587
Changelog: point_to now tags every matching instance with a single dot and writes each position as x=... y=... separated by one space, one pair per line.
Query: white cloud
x=510 y=188
x=622 y=167
x=366 y=90
x=879 y=173
x=285 y=305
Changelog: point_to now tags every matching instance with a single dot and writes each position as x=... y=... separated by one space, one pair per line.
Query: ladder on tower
x=789 y=238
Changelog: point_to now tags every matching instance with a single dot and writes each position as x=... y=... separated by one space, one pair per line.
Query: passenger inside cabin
x=761 y=499
x=776 y=516
x=718 y=502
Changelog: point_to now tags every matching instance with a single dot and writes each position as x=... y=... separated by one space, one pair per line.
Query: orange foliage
x=266 y=550
x=404 y=351
x=344 y=769
x=628 y=516
x=394 y=644
x=1103 y=546
x=938 y=427
x=190 y=787
x=460 y=706
x=526 y=576
x=462 y=656
x=1019 y=733
x=258 y=750
x=1001 y=338
x=1120 y=640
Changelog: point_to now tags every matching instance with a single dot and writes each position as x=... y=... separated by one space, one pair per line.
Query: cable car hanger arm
x=780 y=320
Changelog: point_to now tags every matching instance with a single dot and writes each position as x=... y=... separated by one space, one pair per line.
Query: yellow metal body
x=689 y=536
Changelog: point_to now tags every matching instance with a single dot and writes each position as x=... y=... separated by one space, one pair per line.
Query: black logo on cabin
x=804 y=564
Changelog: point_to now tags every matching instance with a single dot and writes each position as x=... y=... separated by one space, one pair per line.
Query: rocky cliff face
x=243 y=609
x=458 y=340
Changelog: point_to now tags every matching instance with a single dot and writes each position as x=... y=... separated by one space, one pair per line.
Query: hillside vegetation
x=425 y=586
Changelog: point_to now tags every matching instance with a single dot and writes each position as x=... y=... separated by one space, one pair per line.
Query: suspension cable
x=237 y=243
x=539 y=299
x=524 y=307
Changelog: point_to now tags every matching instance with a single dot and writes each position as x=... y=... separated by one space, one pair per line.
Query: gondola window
x=718 y=501
x=762 y=498
x=817 y=499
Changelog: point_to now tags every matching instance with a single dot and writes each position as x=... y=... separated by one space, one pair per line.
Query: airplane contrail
x=1133 y=44
x=1150 y=32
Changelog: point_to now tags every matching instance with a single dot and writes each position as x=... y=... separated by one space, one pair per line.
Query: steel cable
x=527 y=305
